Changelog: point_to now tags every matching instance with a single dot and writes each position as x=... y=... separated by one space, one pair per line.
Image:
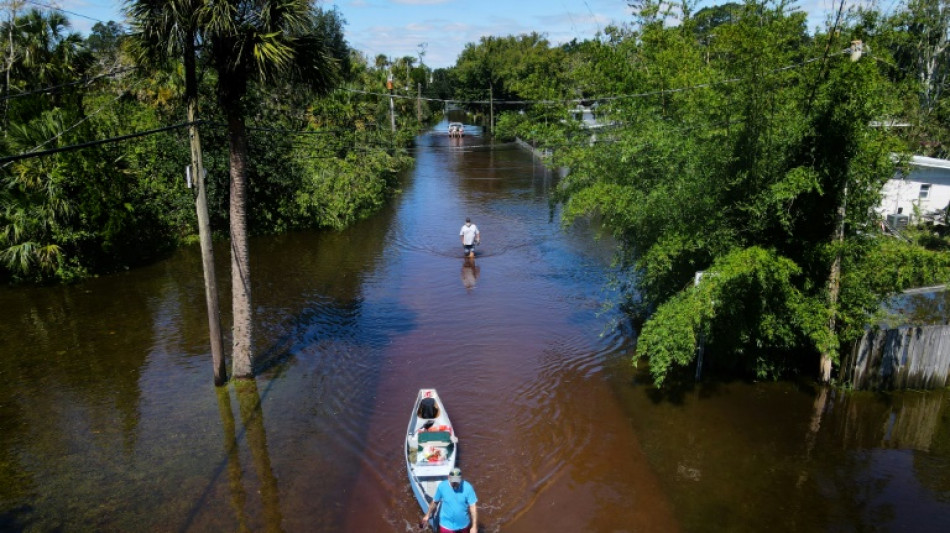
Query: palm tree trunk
x=204 y=225
x=242 y=367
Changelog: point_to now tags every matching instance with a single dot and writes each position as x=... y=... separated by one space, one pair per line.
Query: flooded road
x=109 y=420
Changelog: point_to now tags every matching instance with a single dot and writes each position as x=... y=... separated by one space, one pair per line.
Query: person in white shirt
x=470 y=237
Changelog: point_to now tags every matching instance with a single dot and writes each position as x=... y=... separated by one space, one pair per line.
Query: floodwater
x=109 y=420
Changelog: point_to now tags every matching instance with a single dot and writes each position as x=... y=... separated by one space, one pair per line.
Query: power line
x=364 y=142
x=397 y=96
x=10 y=159
x=284 y=131
x=86 y=81
x=33 y=153
x=73 y=13
x=85 y=118
x=594 y=98
x=5 y=161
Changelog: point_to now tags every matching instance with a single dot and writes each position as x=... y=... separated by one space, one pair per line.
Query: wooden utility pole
x=834 y=277
x=204 y=225
x=834 y=286
x=491 y=110
x=13 y=6
x=392 y=107
x=419 y=102
x=701 y=345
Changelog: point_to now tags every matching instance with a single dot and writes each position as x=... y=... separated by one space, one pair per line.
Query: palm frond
x=19 y=257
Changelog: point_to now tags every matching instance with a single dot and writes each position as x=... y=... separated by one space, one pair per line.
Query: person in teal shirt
x=458 y=498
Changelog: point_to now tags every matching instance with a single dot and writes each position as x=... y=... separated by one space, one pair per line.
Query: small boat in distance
x=456 y=129
x=431 y=449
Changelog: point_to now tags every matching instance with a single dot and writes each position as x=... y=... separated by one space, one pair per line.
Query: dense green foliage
x=731 y=141
x=314 y=161
x=736 y=143
x=515 y=69
x=72 y=213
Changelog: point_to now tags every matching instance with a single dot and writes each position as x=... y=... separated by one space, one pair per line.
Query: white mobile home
x=918 y=194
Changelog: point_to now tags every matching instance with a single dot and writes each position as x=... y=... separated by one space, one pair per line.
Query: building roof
x=889 y=124
x=929 y=162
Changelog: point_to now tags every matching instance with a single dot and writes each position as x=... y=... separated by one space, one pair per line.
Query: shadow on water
x=314 y=294
x=252 y=417
x=67 y=403
x=682 y=384
x=679 y=385
x=252 y=430
x=16 y=519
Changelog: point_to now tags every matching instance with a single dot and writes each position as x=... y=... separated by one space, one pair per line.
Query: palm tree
x=246 y=42
x=43 y=52
x=266 y=42
x=33 y=205
x=33 y=202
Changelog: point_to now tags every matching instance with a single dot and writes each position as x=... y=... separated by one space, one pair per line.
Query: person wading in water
x=470 y=237
x=459 y=512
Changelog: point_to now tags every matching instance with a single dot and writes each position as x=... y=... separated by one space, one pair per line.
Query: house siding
x=902 y=192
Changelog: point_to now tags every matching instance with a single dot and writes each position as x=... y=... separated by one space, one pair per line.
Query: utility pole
x=834 y=285
x=419 y=102
x=13 y=6
x=204 y=225
x=834 y=277
x=392 y=107
x=701 y=348
x=491 y=110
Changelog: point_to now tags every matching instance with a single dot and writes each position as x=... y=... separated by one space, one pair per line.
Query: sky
x=440 y=29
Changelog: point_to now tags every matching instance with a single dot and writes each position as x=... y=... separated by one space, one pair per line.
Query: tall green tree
x=35 y=203
x=917 y=36
x=752 y=159
x=925 y=25
x=43 y=52
x=249 y=44
x=268 y=43
x=516 y=68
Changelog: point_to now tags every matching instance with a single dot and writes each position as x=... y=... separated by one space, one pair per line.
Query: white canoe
x=431 y=449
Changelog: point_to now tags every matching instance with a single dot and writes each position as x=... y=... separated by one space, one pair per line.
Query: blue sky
x=397 y=28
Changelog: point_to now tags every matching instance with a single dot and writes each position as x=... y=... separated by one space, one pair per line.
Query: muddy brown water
x=109 y=420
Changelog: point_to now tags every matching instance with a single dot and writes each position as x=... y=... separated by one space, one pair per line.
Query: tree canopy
x=120 y=204
x=736 y=144
x=730 y=141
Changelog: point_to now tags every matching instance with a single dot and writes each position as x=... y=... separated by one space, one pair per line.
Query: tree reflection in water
x=238 y=498
x=252 y=418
